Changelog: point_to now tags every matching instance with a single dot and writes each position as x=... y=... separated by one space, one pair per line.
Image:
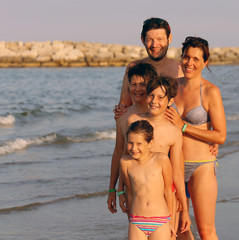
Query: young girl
x=148 y=179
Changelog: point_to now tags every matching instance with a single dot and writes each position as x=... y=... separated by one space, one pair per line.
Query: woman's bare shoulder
x=210 y=88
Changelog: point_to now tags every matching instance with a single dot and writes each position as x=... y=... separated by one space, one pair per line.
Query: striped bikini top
x=197 y=115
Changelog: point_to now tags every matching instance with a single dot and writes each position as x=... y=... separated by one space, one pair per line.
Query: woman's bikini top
x=197 y=115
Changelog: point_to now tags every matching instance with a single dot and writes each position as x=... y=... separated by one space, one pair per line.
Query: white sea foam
x=20 y=143
x=108 y=134
x=233 y=117
x=7 y=120
x=97 y=136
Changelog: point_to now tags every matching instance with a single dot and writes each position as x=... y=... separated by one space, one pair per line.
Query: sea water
x=56 y=142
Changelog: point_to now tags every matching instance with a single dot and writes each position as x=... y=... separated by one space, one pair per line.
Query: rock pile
x=82 y=54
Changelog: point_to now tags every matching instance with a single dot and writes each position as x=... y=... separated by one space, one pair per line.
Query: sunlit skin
x=156 y=43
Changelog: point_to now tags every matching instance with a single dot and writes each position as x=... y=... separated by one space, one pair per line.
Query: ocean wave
x=20 y=143
x=34 y=112
x=32 y=206
x=35 y=205
x=55 y=111
x=98 y=135
x=7 y=120
x=81 y=109
x=235 y=200
x=233 y=117
x=38 y=112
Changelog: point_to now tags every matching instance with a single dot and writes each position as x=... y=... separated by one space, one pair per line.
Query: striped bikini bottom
x=148 y=224
x=191 y=166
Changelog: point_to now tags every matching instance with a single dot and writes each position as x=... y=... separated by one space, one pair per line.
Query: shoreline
x=85 y=54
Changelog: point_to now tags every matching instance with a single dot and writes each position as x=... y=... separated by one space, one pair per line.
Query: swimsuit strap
x=200 y=161
x=201 y=92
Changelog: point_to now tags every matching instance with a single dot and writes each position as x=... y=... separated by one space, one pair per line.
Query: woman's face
x=193 y=62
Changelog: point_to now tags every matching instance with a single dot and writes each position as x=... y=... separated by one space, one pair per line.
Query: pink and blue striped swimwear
x=148 y=224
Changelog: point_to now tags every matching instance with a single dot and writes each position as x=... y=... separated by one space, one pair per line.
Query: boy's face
x=157 y=101
x=137 y=89
x=137 y=146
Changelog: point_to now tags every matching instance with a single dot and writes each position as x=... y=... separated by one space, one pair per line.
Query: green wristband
x=184 y=127
x=119 y=193
x=112 y=190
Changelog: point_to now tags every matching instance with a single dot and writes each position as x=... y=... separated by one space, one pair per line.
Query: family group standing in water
x=169 y=122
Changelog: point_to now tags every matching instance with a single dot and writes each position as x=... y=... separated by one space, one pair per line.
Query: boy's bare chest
x=162 y=140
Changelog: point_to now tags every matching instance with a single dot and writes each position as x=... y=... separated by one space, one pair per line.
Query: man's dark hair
x=155 y=23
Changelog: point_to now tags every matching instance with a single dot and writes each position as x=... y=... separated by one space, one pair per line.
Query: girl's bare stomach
x=149 y=208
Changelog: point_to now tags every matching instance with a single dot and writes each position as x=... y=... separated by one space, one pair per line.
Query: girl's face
x=193 y=62
x=137 y=146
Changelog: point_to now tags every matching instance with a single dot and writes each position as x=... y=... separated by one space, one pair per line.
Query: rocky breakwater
x=82 y=54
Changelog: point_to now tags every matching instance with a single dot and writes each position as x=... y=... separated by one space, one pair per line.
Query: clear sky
x=118 y=21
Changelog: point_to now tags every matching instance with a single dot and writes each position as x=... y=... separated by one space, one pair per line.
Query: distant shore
x=86 y=54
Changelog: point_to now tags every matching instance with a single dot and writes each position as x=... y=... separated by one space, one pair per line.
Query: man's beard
x=161 y=55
